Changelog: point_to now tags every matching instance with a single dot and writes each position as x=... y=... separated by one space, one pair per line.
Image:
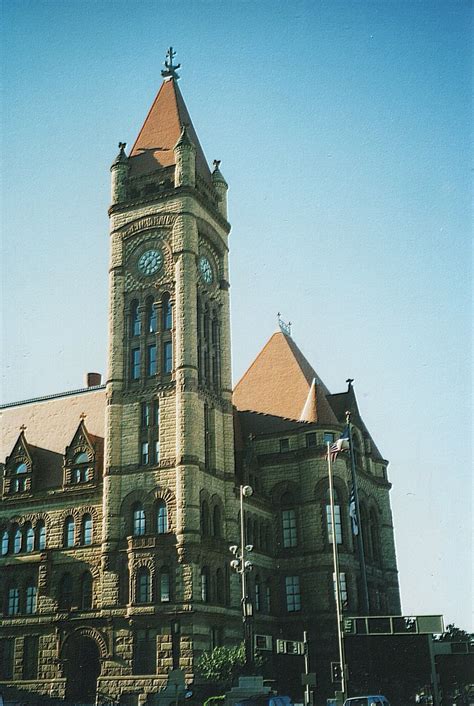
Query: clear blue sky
x=345 y=130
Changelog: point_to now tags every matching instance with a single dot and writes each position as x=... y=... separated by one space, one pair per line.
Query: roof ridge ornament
x=284 y=327
x=170 y=71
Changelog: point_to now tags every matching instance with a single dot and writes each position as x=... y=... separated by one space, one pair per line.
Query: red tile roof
x=278 y=383
x=160 y=132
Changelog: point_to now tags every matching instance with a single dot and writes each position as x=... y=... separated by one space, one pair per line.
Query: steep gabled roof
x=343 y=402
x=278 y=383
x=154 y=146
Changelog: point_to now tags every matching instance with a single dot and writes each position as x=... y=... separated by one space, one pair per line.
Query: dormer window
x=80 y=471
x=19 y=481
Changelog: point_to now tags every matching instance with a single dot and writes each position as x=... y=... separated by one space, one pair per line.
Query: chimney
x=92 y=379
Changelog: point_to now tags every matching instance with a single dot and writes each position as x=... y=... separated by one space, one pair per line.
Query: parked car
x=377 y=700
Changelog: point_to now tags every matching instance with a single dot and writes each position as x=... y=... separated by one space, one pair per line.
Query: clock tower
x=169 y=496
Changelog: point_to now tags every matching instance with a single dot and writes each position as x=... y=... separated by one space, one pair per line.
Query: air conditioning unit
x=263 y=642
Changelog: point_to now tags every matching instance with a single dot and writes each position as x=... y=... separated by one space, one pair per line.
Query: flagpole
x=335 y=558
x=360 y=541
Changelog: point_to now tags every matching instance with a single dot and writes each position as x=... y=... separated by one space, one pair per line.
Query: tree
x=223 y=665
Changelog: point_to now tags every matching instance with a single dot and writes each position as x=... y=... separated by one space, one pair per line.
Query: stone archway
x=81 y=657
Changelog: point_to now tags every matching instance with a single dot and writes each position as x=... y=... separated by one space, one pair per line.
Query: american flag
x=342 y=444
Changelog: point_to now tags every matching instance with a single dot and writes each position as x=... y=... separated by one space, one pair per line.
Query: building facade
x=120 y=501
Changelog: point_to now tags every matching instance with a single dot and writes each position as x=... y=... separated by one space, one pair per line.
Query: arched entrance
x=81 y=668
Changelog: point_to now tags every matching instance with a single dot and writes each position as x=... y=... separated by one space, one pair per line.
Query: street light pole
x=242 y=566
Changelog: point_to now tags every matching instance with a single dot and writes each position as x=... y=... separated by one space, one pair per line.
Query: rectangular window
x=135 y=364
x=164 y=587
x=31 y=597
x=167 y=357
x=268 y=598
x=288 y=519
x=151 y=367
x=30 y=657
x=144 y=652
x=7 y=650
x=216 y=638
x=328 y=437
x=157 y=451
x=293 y=595
x=145 y=415
x=156 y=413
x=337 y=522
x=342 y=587
x=284 y=445
x=145 y=455
x=257 y=596
x=13 y=601
x=311 y=440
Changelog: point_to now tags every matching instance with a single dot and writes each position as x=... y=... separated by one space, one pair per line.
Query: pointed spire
x=309 y=412
x=161 y=131
x=121 y=158
x=184 y=138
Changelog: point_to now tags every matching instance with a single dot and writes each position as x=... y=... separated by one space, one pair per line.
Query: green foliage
x=222 y=665
x=454 y=634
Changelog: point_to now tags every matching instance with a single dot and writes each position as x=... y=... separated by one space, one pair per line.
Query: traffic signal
x=336 y=672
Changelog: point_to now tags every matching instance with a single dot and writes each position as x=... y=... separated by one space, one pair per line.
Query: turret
x=220 y=187
x=119 y=170
x=185 y=159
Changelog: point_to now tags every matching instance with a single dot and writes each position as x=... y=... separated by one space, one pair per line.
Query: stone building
x=120 y=501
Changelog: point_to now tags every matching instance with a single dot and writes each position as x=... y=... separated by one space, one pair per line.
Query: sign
x=393 y=625
x=290 y=647
x=308 y=679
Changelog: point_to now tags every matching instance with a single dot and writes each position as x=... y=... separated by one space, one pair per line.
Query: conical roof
x=279 y=381
x=154 y=146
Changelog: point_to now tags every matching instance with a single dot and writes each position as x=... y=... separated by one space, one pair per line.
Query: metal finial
x=348 y=417
x=349 y=383
x=169 y=69
x=216 y=164
x=284 y=327
x=82 y=416
x=122 y=145
x=23 y=427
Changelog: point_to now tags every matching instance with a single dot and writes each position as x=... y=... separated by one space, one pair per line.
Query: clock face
x=206 y=269
x=150 y=262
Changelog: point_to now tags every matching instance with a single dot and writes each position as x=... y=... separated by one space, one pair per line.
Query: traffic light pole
x=335 y=556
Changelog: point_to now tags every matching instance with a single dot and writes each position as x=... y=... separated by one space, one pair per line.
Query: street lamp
x=242 y=566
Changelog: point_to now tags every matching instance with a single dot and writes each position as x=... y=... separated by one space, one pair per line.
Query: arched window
x=164 y=585
x=31 y=598
x=151 y=316
x=167 y=312
x=86 y=590
x=19 y=483
x=374 y=535
x=13 y=601
x=5 y=542
x=337 y=518
x=365 y=530
x=135 y=323
x=65 y=592
x=17 y=540
x=288 y=521
x=80 y=471
x=40 y=535
x=143 y=587
x=138 y=520
x=220 y=588
x=29 y=537
x=86 y=530
x=205 y=519
x=161 y=517
x=216 y=522
x=205 y=585
x=68 y=532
